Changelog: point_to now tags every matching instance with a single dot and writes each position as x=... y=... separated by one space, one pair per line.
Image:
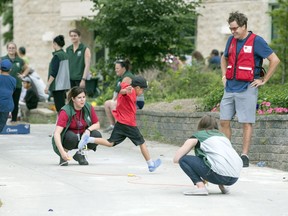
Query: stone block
x=42 y=115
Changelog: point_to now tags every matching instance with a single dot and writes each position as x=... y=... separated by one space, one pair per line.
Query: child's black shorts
x=121 y=131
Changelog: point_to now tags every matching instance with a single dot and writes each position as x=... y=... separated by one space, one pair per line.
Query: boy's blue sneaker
x=83 y=142
x=157 y=163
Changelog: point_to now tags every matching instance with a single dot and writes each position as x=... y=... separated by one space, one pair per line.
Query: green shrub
x=277 y=95
x=181 y=84
x=213 y=98
x=195 y=82
x=106 y=95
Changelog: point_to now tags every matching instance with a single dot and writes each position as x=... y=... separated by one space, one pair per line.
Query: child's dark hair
x=74 y=92
x=207 y=122
x=59 y=40
x=22 y=50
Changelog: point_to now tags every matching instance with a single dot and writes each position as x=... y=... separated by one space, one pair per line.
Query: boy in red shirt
x=126 y=126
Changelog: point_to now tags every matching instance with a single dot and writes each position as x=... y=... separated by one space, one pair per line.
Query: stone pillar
x=36 y=23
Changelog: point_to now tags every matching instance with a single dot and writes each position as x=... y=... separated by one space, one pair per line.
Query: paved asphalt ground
x=118 y=183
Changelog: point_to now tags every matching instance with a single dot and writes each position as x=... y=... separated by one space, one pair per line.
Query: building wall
x=37 y=22
x=213 y=31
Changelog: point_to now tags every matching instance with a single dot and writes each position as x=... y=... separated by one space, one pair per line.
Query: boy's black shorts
x=121 y=131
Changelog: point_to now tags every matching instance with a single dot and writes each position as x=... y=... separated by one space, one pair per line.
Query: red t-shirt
x=125 y=112
x=78 y=124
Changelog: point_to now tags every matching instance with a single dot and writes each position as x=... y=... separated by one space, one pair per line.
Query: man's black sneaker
x=245 y=160
x=80 y=157
x=63 y=162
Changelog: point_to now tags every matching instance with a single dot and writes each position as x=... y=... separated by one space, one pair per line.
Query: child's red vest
x=241 y=65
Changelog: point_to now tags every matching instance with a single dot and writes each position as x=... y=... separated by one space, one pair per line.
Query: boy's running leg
x=152 y=165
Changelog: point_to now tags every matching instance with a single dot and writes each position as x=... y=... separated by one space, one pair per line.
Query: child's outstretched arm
x=185 y=149
x=126 y=90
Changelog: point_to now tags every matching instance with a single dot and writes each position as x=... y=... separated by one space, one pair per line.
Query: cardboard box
x=16 y=129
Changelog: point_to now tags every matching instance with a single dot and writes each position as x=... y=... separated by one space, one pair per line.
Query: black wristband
x=88 y=129
x=84 y=79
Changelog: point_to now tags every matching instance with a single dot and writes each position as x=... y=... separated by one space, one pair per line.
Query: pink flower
x=265 y=108
x=214 y=109
x=263 y=103
x=261 y=112
x=270 y=110
x=280 y=110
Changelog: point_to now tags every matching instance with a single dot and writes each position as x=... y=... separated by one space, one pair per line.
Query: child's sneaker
x=157 y=163
x=83 y=142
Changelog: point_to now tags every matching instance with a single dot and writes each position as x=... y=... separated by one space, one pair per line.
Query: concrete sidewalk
x=117 y=182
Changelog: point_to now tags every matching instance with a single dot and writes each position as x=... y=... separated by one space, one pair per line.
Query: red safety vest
x=241 y=65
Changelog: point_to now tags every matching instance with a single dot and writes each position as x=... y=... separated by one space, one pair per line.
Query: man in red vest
x=241 y=66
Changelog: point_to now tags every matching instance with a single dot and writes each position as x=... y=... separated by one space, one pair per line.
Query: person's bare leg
x=109 y=106
x=225 y=128
x=200 y=184
x=102 y=141
x=224 y=189
x=152 y=165
x=247 y=135
x=145 y=152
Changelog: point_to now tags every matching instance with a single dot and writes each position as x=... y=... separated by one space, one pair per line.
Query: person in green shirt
x=79 y=59
x=22 y=54
x=208 y=156
x=19 y=71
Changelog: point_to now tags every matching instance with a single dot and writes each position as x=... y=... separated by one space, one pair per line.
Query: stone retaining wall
x=269 y=141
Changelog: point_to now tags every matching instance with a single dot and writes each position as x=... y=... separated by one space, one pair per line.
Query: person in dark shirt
x=31 y=98
x=8 y=86
x=214 y=60
x=58 y=74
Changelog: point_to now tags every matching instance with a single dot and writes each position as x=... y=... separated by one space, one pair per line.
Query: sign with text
x=16 y=129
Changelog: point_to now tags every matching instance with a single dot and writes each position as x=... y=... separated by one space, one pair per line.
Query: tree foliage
x=144 y=30
x=6 y=11
x=280 y=43
x=4 y=4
